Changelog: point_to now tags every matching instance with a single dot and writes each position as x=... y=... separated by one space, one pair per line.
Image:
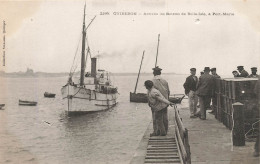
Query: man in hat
x=190 y=89
x=157 y=102
x=214 y=98
x=253 y=75
x=205 y=91
x=235 y=73
x=243 y=73
x=162 y=85
x=214 y=72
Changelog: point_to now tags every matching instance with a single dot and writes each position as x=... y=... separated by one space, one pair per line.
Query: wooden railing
x=181 y=135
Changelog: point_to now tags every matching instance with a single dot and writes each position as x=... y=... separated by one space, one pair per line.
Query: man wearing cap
x=190 y=89
x=205 y=91
x=214 y=98
x=235 y=73
x=162 y=85
x=253 y=75
x=243 y=73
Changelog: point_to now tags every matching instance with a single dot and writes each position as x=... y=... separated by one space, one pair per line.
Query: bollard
x=238 y=133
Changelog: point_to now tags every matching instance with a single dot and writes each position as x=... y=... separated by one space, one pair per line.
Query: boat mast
x=82 y=71
x=139 y=72
x=157 y=49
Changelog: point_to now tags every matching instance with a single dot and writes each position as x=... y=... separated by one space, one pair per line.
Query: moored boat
x=49 y=95
x=138 y=97
x=27 y=103
x=95 y=91
x=2 y=106
x=142 y=98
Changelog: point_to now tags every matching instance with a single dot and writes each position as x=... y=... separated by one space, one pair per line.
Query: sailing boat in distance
x=138 y=97
x=95 y=91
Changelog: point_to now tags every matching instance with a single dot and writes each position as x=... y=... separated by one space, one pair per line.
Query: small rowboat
x=138 y=97
x=2 y=106
x=49 y=95
x=176 y=98
x=27 y=103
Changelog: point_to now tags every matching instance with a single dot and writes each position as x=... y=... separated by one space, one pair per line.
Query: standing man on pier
x=253 y=75
x=214 y=98
x=190 y=86
x=162 y=85
x=205 y=91
x=243 y=73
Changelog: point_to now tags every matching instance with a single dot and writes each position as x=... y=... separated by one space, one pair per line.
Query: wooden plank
x=161 y=148
x=163 y=151
x=162 y=157
x=162 y=160
x=163 y=154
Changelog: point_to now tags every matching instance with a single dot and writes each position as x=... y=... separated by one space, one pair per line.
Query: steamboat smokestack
x=94 y=68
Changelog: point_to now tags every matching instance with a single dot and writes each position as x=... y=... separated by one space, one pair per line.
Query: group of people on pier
x=243 y=73
x=202 y=89
x=199 y=90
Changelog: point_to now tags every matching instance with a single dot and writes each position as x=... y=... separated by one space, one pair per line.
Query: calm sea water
x=44 y=134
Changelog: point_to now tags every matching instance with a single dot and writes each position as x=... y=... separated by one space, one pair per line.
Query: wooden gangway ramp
x=172 y=148
x=162 y=150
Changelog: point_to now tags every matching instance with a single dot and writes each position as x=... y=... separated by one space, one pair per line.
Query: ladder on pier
x=162 y=149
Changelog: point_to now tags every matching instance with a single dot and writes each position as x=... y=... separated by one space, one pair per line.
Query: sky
x=44 y=35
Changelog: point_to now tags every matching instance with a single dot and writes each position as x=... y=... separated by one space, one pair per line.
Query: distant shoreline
x=64 y=74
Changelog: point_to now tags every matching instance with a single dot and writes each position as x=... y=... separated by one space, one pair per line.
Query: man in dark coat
x=214 y=98
x=253 y=74
x=190 y=86
x=243 y=73
x=205 y=91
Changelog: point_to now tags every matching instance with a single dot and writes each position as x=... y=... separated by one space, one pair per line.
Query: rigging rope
x=72 y=72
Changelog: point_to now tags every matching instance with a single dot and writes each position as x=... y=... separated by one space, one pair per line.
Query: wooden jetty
x=209 y=141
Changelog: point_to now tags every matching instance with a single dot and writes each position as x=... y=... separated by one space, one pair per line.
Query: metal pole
x=139 y=72
x=157 y=49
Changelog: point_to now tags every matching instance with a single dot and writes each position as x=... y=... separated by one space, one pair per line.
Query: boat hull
x=142 y=98
x=80 y=100
x=138 y=97
x=27 y=103
x=49 y=95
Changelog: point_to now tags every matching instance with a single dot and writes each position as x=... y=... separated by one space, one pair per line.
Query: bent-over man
x=157 y=102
